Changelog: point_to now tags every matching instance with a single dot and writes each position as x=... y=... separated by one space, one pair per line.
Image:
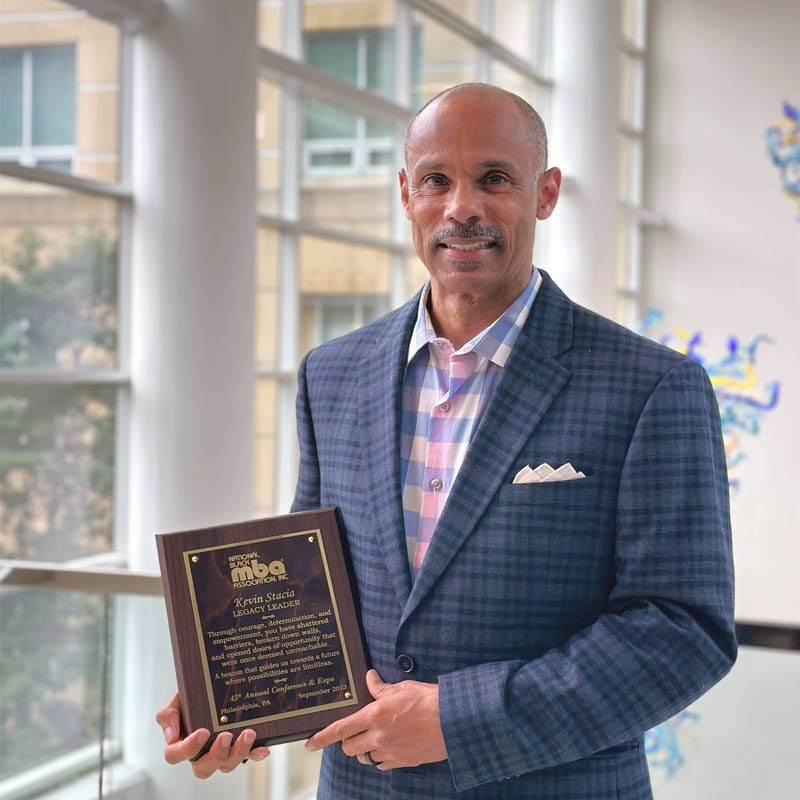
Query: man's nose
x=463 y=204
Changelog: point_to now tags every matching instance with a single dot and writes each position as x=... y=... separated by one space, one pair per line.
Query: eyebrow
x=499 y=164
x=424 y=166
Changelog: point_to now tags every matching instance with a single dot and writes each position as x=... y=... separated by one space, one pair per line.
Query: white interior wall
x=728 y=260
x=737 y=742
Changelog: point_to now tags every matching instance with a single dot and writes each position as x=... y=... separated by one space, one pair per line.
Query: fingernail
x=310 y=747
x=227 y=738
x=258 y=756
x=168 y=733
x=248 y=737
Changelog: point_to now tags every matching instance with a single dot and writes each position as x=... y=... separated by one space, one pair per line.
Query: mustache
x=470 y=231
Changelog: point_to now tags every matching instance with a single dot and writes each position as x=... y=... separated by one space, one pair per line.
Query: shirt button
x=405 y=663
x=445 y=407
x=435 y=484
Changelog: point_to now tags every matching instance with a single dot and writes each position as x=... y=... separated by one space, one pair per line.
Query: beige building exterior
x=89 y=146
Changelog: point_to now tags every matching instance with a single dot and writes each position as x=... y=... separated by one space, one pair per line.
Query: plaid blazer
x=560 y=620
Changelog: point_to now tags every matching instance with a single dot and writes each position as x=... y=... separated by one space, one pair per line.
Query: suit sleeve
x=306 y=495
x=667 y=633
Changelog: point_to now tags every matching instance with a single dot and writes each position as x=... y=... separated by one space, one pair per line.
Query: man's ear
x=548 y=188
x=403 y=178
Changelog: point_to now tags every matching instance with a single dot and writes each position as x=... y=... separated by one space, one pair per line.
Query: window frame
x=634 y=216
x=21 y=163
x=300 y=80
x=296 y=77
x=361 y=146
x=27 y=153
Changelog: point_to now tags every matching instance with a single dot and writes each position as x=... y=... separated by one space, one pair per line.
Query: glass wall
x=60 y=357
x=333 y=253
x=58 y=430
x=630 y=161
x=443 y=59
x=58 y=434
x=333 y=246
x=334 y=250
x=53 y=663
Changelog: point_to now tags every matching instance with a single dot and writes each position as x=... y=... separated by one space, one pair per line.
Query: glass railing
x=59 y=669
x=69 y=637
x=64 y=630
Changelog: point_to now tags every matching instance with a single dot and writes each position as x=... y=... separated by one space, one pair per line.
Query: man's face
x=472 y=195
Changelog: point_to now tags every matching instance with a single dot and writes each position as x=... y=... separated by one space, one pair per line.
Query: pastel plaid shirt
x=445 y=394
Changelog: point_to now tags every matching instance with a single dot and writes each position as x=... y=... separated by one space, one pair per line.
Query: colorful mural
x=783 y=147
x=664 y=745
x=744 y=397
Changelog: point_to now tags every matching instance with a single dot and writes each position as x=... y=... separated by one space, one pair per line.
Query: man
x=523 y=635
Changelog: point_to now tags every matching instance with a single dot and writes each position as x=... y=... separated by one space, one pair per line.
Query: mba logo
x=257 y=572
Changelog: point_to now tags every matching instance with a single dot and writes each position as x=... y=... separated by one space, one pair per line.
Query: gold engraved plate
x=271 y=643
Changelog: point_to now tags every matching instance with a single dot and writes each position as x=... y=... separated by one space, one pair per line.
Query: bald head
x=480 y=92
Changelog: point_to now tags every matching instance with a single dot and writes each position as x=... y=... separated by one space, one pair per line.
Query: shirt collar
x=496 y=340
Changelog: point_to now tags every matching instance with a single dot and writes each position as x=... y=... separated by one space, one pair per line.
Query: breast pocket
x=564 y=493
x=568 y=515
x=569 y=527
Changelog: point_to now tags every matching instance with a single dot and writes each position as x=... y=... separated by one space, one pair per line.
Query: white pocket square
x=544 y=473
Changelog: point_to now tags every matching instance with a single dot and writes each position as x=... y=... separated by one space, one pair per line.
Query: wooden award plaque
x=265 y=633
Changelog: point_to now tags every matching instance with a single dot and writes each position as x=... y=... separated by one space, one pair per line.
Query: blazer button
x=405 y=663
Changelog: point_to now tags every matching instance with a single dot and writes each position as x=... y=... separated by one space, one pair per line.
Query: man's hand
x=222 y=756
x=400 y=729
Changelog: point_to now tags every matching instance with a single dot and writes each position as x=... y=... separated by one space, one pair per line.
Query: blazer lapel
x=380 y=408
x=532 y=377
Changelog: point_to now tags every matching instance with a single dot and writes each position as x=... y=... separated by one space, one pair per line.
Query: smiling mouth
x=466 y=247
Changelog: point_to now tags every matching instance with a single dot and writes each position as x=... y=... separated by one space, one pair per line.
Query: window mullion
x=360 y=159
x=485 y=17
x=402 y=96
x=361 y=61
x=27 y=106
x=632 y=124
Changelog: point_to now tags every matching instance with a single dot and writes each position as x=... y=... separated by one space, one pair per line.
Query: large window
x=633 y=215
x=62 y=386
x=333 y=247
x=58 y=322
x=332 y=254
